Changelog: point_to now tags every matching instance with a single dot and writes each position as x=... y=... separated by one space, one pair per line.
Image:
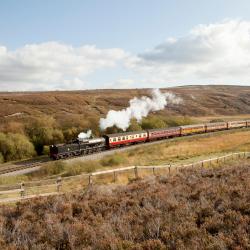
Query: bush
x=81 y=167
x=15 y=147
x=1 y=158
x=90 y=166
x=52 y=168
x=134 y=126
x=113 y=130
x=153 y=122
x=72 y=170
x=216 y=120
x=45 y=150
x=43 y=131
x=113 y=160
x=178 y=121
x=70 y=133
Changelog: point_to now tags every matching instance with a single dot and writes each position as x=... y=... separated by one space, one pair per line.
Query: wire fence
x=9 y=193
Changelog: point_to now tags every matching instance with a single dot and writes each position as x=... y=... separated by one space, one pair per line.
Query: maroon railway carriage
x=120 y=139
x=156 y=134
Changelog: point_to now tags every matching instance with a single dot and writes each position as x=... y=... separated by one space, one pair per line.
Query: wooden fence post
x=114 y=176
x=153 y=170
x=202 y=164
x=90 y=180
x=136 y=172
x=169 y=169
x=22 y=187
x=58 y=184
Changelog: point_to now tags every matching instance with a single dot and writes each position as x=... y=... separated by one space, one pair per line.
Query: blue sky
x=122 y=39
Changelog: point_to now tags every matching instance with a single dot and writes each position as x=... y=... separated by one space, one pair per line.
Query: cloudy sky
x=62 y=44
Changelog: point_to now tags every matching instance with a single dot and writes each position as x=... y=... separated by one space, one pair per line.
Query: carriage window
x=123 y=138
x=140 y=135
x=126 y=137
x=114 y=139
x=119 y=138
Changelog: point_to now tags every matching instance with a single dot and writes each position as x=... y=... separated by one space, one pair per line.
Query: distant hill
x=68 y=106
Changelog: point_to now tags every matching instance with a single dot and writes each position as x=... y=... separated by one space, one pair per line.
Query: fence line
x=57 y=184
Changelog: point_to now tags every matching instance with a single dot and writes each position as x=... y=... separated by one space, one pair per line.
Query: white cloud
x=215 y=53
x=208 y=54
x=53 y=65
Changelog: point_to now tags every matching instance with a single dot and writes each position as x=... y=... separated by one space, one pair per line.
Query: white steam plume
x=138 y=108
x=83 y=135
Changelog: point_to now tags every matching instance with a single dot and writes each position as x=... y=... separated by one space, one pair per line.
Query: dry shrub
x=195 y=209
x=15 y=146
x=1 y=158
x=50 y=169
x=81 y=167
x=113 y=160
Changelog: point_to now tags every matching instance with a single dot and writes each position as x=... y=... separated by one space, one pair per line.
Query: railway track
x=22 y=165
x=10 y=169
x=29 y=164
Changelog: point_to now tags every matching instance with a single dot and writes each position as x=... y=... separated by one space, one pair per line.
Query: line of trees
x=15 y=146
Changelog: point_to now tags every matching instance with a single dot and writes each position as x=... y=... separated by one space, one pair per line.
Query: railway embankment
x=122 y=175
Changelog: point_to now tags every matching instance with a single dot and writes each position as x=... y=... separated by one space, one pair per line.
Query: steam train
x=90 y=146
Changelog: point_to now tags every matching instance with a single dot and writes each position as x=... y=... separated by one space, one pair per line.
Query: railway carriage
x=192 y=129
x=156 y=134
x=120 y=139
x=215 y=126
x=89 y=146
x=237 y=124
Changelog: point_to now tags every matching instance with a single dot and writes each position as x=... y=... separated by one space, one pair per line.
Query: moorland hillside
x=64 y=106
x=44 y=118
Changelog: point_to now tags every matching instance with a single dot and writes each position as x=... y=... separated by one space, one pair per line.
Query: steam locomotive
x=90 y=146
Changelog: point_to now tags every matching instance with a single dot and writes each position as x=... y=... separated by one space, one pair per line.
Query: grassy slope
x=195 y=209
x=82 y=108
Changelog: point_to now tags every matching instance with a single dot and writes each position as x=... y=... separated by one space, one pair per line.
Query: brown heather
x=195 y=209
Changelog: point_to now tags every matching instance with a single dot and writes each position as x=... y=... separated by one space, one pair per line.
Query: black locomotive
x=77 y=147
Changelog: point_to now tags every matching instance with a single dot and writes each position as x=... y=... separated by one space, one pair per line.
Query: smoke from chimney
x=83 y=135
x=138 y=108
